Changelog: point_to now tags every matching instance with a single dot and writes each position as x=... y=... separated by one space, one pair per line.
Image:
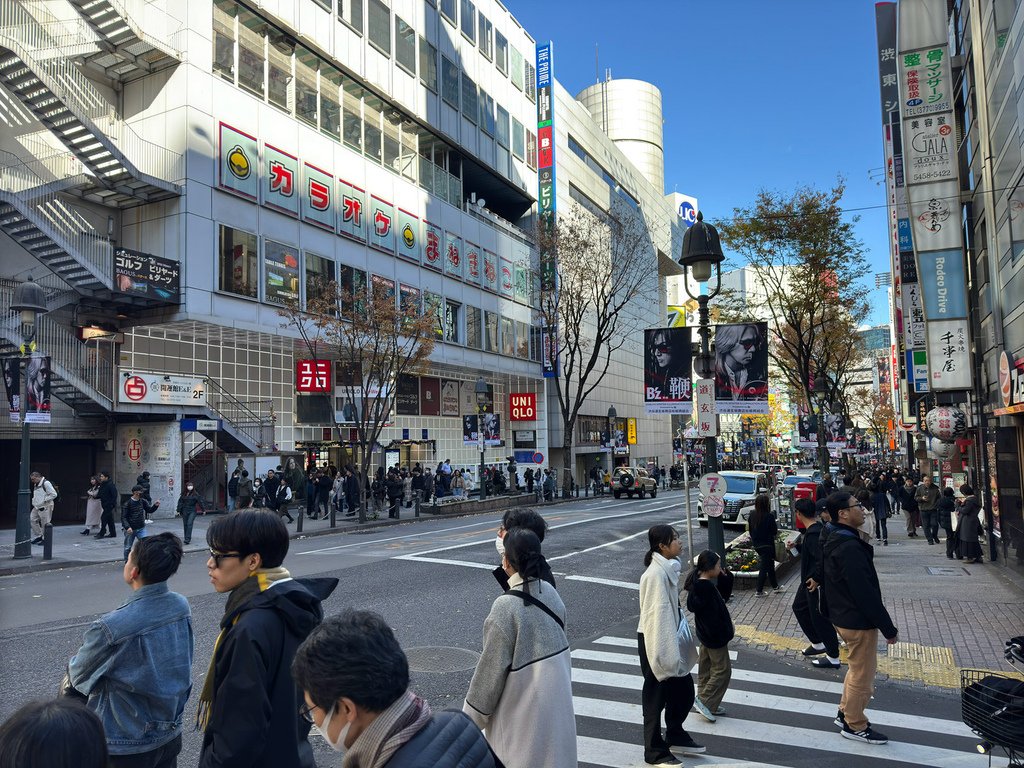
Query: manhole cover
x=945 y=570
x=440 y=658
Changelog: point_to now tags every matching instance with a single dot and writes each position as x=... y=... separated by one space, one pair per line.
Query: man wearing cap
x=852 y=601
x=818 y=629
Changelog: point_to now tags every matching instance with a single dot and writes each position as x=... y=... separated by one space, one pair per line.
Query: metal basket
x=991 y=713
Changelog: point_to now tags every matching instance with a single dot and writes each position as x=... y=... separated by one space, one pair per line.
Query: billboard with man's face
x=741 y=368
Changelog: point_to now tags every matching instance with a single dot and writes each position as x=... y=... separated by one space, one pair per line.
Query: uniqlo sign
x=313 y=376
x=522 y=406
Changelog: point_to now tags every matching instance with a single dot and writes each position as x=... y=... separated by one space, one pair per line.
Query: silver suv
x=741 y=488
x=633 y=480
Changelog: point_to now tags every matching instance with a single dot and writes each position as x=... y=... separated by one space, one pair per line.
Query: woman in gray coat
x=521 y=692
x=970 y=526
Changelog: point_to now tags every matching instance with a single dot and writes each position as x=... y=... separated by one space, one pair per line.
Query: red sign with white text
x=312 y=375
x=522 y=406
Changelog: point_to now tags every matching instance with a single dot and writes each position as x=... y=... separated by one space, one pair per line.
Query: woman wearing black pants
x=668 y=686
x=763 y=530
x=945 y=508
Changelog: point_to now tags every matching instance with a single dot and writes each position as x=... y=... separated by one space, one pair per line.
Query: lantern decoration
x=941 y=450
x=946 y=423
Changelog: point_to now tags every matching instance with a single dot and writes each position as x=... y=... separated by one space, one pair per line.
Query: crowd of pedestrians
x=278 y=667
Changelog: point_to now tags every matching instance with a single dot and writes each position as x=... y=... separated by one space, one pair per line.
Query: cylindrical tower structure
x=629 y=112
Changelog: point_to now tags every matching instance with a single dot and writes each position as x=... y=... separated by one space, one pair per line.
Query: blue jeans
x=129 y=540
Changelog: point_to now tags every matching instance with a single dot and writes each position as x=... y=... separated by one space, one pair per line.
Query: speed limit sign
x=713 y=488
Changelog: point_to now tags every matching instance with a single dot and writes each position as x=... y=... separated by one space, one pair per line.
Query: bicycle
x=992 y=705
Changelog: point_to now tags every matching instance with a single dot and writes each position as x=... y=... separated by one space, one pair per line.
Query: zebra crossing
x=774 y=720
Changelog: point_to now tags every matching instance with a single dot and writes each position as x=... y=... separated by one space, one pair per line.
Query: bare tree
x=605 y=269
x=374 y=342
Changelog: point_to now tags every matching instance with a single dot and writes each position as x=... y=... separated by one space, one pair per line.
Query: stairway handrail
x=67 y=354
x=92 y=247
x=138 y=15
x=31 y=39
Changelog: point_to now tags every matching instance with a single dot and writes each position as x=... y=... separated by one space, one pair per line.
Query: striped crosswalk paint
x=792 y=711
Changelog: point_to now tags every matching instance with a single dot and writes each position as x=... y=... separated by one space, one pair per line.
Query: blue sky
x=755 y=95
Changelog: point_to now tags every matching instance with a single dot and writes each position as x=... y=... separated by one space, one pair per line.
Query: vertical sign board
x=932 y=183
x=546 y=198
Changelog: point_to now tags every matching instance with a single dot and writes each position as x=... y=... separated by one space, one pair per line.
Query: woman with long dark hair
x=714 y=630
x=521 y=691
x=763 y=530
x=737 y=348
x=668 y=686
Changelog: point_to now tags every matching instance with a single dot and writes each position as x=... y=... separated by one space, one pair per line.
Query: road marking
x=608 y=544
x=619 y=680
x=616 y=754
x=629 y=659
x=443 y=561
x=606 y=582
x=622 y=642
x=775 y=733
x=396 y=538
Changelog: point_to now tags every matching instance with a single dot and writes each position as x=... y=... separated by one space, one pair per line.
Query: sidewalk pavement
x=949 y=614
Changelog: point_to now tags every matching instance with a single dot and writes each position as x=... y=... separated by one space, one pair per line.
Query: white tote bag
x=687 y=643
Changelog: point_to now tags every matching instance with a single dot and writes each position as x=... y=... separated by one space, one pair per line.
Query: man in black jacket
x=393 y=485
x=134 y=514
x=108 y=501
x=818 y=629
x=852 y=601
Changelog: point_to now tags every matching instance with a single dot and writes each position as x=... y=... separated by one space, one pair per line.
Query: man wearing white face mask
x=355 y=679
x=520 y=518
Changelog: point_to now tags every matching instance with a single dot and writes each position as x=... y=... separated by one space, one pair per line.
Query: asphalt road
x=431 y=580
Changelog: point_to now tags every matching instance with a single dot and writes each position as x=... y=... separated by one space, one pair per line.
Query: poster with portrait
x=741 y=368
x=668 y=371
x=488 y=423
x=12 y=386
x=37 y=385
x=835 y=430
x=808 y=429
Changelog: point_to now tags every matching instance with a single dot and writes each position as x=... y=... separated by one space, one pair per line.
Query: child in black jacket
x=714 y=630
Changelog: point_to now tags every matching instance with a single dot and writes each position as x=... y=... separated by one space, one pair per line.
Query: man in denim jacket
x=135 y=664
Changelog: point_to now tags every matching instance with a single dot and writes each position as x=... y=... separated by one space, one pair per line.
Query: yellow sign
x=631 y=431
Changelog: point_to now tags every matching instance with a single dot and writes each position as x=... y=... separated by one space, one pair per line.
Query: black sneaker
x=868 y=735
x=37 y=540
x=840 y=719
x=686 y=745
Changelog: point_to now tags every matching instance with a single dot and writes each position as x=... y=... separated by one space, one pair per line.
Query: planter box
x=741 y=544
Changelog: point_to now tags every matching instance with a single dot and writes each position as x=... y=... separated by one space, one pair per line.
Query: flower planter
x=743 y=561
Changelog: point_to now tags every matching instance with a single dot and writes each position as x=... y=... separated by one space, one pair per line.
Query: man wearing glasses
x=249 y=705
x=852 y=601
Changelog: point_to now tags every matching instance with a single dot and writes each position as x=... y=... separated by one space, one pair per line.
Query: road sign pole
x=689 y=517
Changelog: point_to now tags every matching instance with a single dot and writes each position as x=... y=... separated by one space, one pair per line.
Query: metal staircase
x=133 y=37
x=79 y=376
x=37 y=67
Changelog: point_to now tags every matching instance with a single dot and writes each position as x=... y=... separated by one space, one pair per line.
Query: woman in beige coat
x=93 y=507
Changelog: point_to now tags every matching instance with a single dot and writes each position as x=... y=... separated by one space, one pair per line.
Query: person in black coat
x=945 y=508
x=270 y=487
x=108 y=501
x=907 y=496
x=819 y=631
x=763 y=530
x=714 y=629
x=249 y=705
x=852 y=600
x=969 y=528
x=355 y=682
x=394 y=488
x=880 y=488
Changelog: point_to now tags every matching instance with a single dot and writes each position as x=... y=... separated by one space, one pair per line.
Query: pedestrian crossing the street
x=774 y=720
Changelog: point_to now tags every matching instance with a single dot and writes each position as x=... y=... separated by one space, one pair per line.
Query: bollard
x=586 y=491
x=47 y=542
x=417 y=496
x=298 y=524
x=334 y=512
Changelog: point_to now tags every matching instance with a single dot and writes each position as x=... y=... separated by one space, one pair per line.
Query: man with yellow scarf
x=249 y=706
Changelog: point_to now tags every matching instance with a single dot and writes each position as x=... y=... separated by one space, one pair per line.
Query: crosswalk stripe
x=773 y=733
x=771 y=701
x=617 y=680
x=621 y=642
x=617 y=754
x=630 y=659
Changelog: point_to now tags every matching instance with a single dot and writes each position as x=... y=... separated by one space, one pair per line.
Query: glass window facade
x=474 y=328
x=449 y=82
x=280 y=273
x=452 y=322
x=484 y=40
x=237 y=260
x=320 y=275
x=428 y=64
x=518 y=139
x=501 y=52
x=468 y=12
x=470 y=100
x=378 y=26
x=405 y=46
x=448 y=10
x=351 y=12
x=490 y=332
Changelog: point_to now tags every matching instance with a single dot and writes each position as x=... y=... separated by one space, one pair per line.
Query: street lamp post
x=820 y=392
x=612 y=415
x=30 y=301
x=702 y=256
x=481 y=404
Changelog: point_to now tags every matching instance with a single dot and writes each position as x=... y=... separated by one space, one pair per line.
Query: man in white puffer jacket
x=668 y=685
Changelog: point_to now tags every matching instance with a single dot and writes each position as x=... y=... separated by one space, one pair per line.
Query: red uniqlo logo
x=135 y=388
x=312 y=375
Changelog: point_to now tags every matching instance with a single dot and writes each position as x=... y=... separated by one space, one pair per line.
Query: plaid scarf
x=389 y=731
x=259 y=581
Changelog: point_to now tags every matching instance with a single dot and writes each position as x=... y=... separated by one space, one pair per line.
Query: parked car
x=792 y=480
x=741 y=488
x=633 y=481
